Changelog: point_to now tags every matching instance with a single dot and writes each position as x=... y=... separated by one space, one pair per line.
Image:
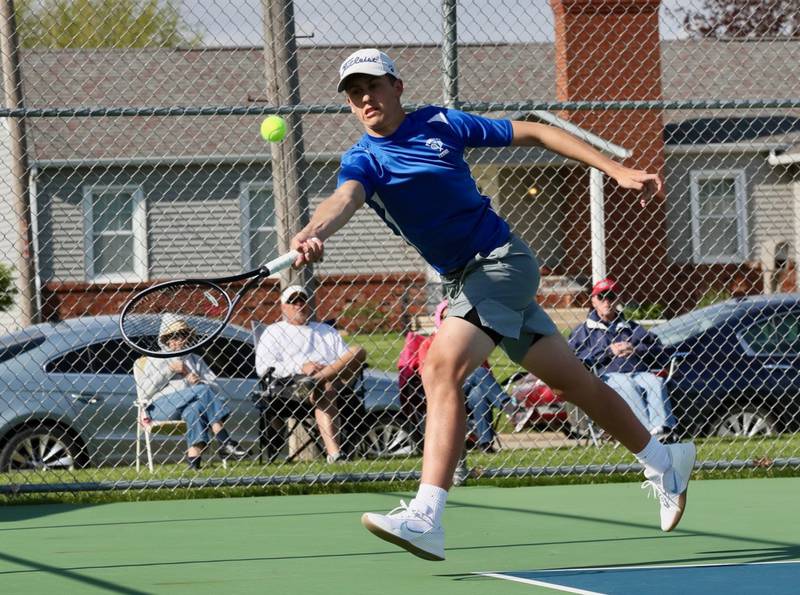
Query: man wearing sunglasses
x=622 y=353
x=302 y=352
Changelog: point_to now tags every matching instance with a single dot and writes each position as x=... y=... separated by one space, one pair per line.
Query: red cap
x=605 y=285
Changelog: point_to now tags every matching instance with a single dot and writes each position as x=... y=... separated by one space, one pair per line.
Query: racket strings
x=175 y=317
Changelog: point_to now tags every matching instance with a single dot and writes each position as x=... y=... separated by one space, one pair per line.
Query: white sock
x=655 y=456
x=430 y=499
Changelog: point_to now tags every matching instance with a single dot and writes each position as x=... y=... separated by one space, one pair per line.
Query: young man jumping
x=410 y=168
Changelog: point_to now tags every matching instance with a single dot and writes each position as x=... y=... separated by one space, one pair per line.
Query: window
x=259 y=236
x=719 y=216
x=777 y=335
x=108 y=357
x=115 y=233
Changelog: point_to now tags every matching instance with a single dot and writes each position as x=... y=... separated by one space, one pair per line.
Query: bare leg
x=458 y=348
x=326 y=413
x=551 y=359
x=195 y=451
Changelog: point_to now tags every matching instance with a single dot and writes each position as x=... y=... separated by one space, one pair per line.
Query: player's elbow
x=351 y=196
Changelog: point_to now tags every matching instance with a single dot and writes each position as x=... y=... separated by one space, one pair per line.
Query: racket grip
x=282 y=262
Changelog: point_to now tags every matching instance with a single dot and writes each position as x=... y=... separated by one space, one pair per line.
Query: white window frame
x=740 y=188
x=244 y=209
x=139 y=231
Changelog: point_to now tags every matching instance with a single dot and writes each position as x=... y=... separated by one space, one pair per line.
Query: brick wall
x=356 y=302
x=609 y=50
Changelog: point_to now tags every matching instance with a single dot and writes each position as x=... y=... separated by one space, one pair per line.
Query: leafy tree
x=102 y=24
x=7 y=289
x=744 y=19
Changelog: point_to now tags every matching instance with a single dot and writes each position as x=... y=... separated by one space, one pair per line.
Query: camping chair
x=284 y=414
x=287 y=417
x=145 y=426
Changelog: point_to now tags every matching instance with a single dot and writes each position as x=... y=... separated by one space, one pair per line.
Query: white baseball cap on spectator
x=366 y=61
x=292 y=292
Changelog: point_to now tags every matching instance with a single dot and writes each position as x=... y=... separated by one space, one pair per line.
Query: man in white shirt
x=296 y=346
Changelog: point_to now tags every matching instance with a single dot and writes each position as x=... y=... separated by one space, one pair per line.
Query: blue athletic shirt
x=417 y=181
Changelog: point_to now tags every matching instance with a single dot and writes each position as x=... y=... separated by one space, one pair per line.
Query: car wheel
x=38 y=449
x=745 y=421
x=388 y=436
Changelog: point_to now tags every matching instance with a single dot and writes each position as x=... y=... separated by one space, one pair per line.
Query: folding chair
x=286 y=401
x=145 y=426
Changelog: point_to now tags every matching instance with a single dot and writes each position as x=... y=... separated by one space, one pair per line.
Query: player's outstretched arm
x=328 y=218
x=565 y=144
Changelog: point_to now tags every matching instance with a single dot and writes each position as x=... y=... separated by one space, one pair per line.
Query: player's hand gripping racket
x=193 y=311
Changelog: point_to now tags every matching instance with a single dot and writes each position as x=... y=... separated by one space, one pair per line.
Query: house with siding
x=123 y=201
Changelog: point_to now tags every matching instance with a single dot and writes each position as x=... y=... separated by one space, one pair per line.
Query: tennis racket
x=175 y=318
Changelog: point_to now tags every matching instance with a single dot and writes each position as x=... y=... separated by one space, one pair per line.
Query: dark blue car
x=734 y=367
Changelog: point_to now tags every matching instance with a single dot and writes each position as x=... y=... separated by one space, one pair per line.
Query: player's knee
x=437 y=373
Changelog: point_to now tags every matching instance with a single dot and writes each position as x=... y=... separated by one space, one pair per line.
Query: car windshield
x=682 y=327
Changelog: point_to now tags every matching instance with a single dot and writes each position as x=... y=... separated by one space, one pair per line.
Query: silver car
x=67 y=397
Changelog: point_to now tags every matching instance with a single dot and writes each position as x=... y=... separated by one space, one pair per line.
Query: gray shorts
x=501 y=287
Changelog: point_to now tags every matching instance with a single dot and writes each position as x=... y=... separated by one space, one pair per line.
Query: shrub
x=712 y=296
x=644 y=311
x=7 y=288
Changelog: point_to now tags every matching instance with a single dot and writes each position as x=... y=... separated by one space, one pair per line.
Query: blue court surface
x=773 y=578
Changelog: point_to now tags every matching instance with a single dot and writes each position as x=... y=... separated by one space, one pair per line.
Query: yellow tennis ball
x=273 y=129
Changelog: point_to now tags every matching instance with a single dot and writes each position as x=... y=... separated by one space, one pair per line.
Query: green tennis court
x=315 y=544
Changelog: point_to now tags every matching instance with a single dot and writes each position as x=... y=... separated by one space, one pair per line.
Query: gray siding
x=192 y=218
x=771 y=215
x=365 y=245
x=193 y=221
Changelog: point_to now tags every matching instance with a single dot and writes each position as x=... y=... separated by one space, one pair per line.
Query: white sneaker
x=671 y=487
x=335 y=458
x=411 y=529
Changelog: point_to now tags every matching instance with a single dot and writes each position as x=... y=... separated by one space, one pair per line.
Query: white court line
x=642 y=567
x=539 y=583
x=529 y=581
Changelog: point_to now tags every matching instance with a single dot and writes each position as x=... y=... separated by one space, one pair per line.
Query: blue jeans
x=646 y=396
x=483 y=392
x=199 y=406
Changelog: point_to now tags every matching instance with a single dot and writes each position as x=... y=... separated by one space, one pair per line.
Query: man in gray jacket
x=185 y=388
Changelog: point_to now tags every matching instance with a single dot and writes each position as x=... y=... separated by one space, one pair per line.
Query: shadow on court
x=24 y=512
x=773 y=550
x=32 y=566
x=753 y=555
x=164 y=521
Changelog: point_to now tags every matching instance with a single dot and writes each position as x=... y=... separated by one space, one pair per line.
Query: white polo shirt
x=286 y=347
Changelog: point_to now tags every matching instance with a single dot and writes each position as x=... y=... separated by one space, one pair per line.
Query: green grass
x=383 y=351
x=762 y=451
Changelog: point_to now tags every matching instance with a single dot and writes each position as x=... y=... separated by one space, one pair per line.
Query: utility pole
x=288 y=160
x=20 y=171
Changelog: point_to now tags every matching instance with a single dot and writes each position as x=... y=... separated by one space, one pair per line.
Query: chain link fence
x=137 y=158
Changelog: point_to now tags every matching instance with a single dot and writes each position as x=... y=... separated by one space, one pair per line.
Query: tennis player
x=410 y=168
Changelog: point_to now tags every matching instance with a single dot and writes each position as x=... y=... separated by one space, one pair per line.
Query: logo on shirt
x=437 y=145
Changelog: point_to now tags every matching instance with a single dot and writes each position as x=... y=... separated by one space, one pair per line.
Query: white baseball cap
x=367 y=61
x=292 y=291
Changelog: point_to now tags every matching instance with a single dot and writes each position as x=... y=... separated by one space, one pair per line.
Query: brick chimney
x=609 y=50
